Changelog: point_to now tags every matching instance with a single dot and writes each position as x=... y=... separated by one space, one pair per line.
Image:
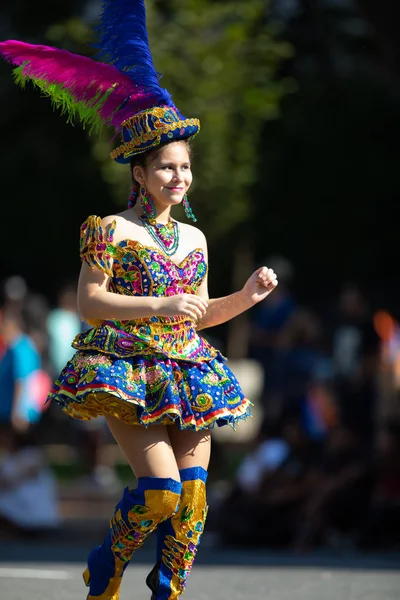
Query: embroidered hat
x=121 y=89
x=152 y=127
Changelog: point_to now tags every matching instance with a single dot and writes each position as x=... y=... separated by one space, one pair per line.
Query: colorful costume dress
x=144 y=371
x=153 y=370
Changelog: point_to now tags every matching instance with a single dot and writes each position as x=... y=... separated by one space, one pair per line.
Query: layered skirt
x=150 y=371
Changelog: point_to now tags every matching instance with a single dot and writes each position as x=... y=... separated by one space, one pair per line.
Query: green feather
x=62 y=99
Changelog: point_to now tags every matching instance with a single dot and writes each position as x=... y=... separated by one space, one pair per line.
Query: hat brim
x=171 y=132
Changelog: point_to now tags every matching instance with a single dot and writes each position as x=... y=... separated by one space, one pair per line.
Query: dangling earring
x=147 y=204
x=188 y=209
x=132 y=198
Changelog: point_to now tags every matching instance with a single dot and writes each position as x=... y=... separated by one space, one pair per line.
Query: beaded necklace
x=165 y=235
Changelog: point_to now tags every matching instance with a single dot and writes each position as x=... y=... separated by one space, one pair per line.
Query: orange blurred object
x=384 y=325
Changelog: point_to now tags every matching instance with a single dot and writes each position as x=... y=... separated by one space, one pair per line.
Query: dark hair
x=142 y=160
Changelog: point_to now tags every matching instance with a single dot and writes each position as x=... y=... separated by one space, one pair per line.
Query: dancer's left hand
x=260 y=284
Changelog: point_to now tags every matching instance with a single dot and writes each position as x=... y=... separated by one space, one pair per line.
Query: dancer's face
x=167 y=176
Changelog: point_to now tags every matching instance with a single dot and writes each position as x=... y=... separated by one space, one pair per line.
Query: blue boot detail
x=179 y=537
x=137 y=514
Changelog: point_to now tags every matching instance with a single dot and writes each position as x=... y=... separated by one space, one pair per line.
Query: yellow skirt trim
x=98 y=404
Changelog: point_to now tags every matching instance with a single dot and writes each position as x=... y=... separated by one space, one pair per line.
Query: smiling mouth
x=176 y=188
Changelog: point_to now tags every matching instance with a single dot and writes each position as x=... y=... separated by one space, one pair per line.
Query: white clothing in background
x=266 y=458
x=31 y=503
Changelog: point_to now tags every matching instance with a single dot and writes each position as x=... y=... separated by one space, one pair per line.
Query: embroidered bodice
x=136 y=269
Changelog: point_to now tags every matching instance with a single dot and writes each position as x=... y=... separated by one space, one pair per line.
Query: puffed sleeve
x=97 y=249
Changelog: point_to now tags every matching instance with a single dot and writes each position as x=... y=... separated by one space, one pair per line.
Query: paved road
x=218 y=575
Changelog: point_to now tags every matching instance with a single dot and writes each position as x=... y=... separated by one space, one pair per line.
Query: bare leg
x=148 y=450
x=191 y=448
x=140 y=511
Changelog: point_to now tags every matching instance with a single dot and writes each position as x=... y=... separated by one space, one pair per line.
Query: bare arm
x=220 y=310
x=224 y=309
x=95 y=302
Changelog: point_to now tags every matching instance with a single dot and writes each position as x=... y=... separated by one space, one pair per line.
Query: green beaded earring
x=188 y=209
x=147 y=204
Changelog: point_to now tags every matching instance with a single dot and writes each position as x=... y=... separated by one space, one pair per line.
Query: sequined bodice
x=145 y=271
x=137 y=269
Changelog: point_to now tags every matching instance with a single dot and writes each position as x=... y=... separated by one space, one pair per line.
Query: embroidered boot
x=136 y=515
x=179 y=537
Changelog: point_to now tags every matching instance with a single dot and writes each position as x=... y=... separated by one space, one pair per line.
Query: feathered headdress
x=122 y=92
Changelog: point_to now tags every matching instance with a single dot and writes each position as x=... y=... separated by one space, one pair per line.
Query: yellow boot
x=179 y=537
x=136 y=515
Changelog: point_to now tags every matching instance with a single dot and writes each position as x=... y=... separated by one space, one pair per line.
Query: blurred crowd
x=35 y=344
x=324 y=469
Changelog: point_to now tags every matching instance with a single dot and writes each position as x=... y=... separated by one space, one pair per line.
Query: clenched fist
x=260 y=284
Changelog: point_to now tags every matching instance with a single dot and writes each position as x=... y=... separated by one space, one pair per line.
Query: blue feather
x=123 y=42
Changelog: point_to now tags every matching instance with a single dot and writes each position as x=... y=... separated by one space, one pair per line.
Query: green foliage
x=219 y=60
x=329 y=163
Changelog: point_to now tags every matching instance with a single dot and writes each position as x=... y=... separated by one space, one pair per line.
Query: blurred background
x=296 y=167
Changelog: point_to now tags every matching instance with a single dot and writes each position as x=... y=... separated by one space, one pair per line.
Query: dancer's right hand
x=183 y=304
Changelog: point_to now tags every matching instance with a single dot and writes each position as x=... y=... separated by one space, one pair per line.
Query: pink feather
x=84 y=78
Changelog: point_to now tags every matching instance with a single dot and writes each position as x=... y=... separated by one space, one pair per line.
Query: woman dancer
x=143 y=287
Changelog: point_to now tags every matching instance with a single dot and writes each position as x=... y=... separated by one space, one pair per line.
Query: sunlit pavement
x=53 y=572
x=63 y=581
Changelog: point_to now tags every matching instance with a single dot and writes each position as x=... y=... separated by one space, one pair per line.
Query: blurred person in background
x=20 y=369
x=356 y=355
x=271 y=485
x=28 y=491
x=99 y=473
x=269 y=452
x=35 y=311
x=307 y=372
x=14 y=292
x=27 y=500
x=63 y=324
x=337 y=507
x=17 y=296
x=382 y=529
x=269 y=321
x=3 y=345
x=388 y=330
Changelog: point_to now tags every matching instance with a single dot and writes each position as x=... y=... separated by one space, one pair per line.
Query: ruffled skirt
x=148 y=390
